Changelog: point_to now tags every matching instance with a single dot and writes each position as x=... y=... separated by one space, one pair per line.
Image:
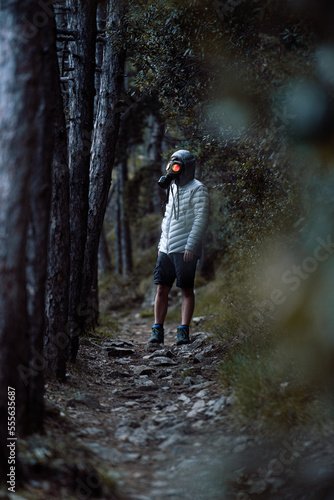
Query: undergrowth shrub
x=268 y=382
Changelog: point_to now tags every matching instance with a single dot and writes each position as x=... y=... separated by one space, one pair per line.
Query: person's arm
x=201 y=218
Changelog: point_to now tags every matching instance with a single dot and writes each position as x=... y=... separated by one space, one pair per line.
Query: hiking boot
x=157 y=335
x=183 y=335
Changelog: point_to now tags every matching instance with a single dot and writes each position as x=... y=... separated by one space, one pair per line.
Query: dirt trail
x=155 y=415
x=159 y=419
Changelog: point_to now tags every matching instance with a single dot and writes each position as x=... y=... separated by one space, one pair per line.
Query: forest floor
x=139 y=423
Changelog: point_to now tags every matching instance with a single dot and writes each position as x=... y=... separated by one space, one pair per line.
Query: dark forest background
x=95 y=96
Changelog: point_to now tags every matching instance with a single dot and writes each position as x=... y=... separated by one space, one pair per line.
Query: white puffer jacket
x=186 y=218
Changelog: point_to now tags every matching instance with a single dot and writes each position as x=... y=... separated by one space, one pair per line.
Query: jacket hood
x=189 y=165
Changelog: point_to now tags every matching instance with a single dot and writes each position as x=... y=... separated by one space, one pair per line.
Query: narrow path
x=155 y=415
x=158 y=418
x=166 y=414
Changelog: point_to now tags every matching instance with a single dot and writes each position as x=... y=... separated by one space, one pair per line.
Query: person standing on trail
x=180 y=246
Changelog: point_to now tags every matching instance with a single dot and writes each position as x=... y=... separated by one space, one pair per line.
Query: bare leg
x=161 y=304
x=188 y=305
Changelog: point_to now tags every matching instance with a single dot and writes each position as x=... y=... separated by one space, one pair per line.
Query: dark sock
x=158 y=324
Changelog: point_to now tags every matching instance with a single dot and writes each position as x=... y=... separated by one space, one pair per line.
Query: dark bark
x=101 y=18
x=93 y=301
x=103 y=148
x=125 y=236
x=123 y=246
x=40 y=196
x=104 y=256
x=20 y=109
x=56 y=341
x=155 y=157
x=82 y=20
x=117 y=222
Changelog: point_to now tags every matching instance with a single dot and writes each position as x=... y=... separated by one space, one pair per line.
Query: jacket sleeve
x=164 y=226
x=201 y=218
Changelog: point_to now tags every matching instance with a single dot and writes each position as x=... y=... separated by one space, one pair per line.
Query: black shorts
x=171 y=266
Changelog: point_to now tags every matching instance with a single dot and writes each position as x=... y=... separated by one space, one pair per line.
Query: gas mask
x=174 y=170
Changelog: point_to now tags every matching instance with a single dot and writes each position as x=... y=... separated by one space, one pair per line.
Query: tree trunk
x=125 y=236
x=103 y=148
x=101 y=19
x=57 y=341
x=122 y=227
x=155 y=157
x=117 y=221
x=40 y=197
x=104 y=256
x=22 y=60
x=82 y=20
x=94 y=295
